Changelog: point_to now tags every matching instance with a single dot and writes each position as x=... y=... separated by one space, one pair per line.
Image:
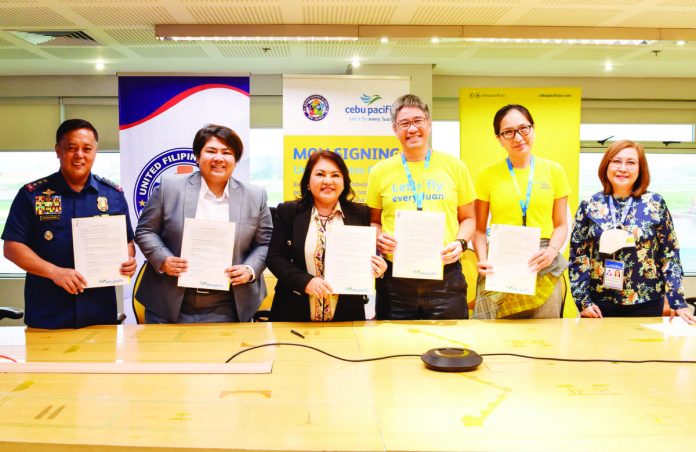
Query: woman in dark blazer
x=295 y=255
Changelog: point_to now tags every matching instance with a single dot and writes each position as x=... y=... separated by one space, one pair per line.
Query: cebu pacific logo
x=178 y=160
x=370 y=99
x=315 y=107
x=370 y=109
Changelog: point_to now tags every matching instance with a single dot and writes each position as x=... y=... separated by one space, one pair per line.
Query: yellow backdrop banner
x=359 y=152
x=556 y=113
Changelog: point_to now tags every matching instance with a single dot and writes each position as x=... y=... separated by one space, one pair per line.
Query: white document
x=100 y=246
x=207 y=245
x=509 y=250
x=347 y=266
x=420 y=238
x=677 y=327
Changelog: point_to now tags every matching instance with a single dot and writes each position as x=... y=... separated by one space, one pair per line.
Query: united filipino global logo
x=315 y=107
x=177 y=160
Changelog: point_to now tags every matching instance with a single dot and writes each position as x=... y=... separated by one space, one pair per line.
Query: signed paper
x=100 y=246
x=347 y=260
x=207 y=245
x=420 y=238
x=509 y=250
x=676 y=327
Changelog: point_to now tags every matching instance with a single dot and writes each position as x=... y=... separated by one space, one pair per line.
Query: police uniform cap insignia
x=102 y=203
x=31 y=186
x=48 y=235
x=48 y=192
x=111 y=184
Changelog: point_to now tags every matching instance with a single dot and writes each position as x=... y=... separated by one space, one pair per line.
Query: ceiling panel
x=256 y=50
x=511 y=53
x=675 y=19
x=567 y=16
x=31 y=16
x=604 y=3
x=594 y=53
x=340 y=49
x=170 y=52
x=245 y=14
x=682 y=3
x=77 y=53
x=125 y=15
x=658 y=56
x=348 y=14
x=133 y=36
x=18 y=54
x=456 y=15
x=419 y=49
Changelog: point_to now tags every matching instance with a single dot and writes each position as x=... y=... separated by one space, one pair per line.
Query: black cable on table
x=518 y=355
x=317 y=350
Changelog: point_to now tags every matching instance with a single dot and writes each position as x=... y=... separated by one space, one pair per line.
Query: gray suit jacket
x=160 y=230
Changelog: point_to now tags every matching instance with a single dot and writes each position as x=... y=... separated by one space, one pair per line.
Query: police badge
x=102 y=204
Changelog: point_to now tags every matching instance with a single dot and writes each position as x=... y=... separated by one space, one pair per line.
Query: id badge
x=613 y=274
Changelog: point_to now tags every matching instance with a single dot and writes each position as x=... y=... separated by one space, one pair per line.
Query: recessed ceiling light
x=384 y=40
x=681 y=43
x=608 y=66
x=355 y=62
x=99 y=65
x=435 y=40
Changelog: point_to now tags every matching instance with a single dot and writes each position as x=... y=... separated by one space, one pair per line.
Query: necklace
x=324 y=219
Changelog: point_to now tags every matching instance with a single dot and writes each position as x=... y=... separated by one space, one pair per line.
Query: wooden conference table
x=313 y=402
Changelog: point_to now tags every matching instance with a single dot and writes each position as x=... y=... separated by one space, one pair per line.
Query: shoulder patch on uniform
x=111 y=184
x=31 y=186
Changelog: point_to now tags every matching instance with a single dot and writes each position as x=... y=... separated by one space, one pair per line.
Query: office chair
x=692 y=302
x=264 y=312
x=468 y=261
x=11 y=313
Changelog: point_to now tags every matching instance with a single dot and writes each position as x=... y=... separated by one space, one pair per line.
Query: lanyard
x=612 y=209
x=418 y=195
x=524 y=204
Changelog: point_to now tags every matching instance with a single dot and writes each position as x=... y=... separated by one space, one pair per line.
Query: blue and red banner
x=158 y=118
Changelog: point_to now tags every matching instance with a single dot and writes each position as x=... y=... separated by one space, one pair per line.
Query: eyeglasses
x=522 y=130
x=406 y=124
x=630 y=165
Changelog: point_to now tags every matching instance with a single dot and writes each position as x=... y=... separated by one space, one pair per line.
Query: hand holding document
x=207 y=246
x=509 y=250
x=347 y=260
x=100 y=246
x=420 y=237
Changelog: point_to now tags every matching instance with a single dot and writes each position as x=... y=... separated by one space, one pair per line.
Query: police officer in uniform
x=38 y=235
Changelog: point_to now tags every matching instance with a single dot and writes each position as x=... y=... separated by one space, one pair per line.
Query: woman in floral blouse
x=624 y=255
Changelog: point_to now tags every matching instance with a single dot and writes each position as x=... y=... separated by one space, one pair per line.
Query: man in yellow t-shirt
x=420 y=179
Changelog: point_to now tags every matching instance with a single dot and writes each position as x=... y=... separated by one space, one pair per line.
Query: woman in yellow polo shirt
x=522 y=190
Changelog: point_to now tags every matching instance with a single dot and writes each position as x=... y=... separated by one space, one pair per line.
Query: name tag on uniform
x=613 y=240
x=613 y=274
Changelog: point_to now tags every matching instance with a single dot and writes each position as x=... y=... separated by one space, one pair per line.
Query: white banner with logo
x=349 y=115
x=158 y=118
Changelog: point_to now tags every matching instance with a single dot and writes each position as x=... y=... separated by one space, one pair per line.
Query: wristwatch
x=464 y=244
